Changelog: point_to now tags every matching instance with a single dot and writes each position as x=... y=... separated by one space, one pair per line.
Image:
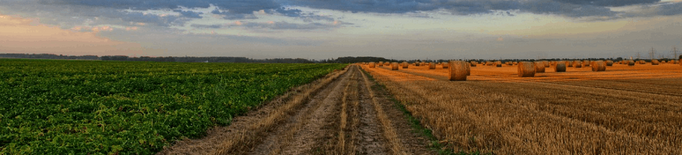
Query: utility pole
x=637 y=56
x=651 y=54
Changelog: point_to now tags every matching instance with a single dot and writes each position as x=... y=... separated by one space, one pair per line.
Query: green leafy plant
x=65 y=107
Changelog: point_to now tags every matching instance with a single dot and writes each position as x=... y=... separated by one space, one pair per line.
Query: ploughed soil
x=342 y=113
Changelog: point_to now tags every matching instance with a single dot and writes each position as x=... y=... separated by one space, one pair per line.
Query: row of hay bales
x=404 y=64
x=492 y=63
x=667 y=62
x=528 y=69
x=460 y=69
x=642 y=62
x=547 y=64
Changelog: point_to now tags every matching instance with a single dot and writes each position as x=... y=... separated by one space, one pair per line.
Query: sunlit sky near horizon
x=314 y=29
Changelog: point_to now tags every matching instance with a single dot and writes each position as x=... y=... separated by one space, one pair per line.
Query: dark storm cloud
x=274 y=26
x=293 y=26
x=67 y=16
x=570 y=8
x=233 y=16
x=205 y=26
x=670 y=9
x=231 y=6
x=235 y=6
x=189 y=14
x=73 y=12
x=609 y=2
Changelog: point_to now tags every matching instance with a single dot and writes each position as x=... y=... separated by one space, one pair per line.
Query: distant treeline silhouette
x=249 y=60
x=156 y=59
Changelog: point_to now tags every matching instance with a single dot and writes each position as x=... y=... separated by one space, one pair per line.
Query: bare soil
x=339 y=114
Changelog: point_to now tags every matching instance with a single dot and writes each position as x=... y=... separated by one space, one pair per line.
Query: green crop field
x=93 y=107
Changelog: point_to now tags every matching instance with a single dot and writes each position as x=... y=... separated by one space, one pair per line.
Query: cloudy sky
x=320 y=29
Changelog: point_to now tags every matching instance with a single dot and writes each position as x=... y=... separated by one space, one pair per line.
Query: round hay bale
x=577 y=64
x=472 y=64
x=468 y=68
x=497 y=63
x=525 y=69
x=546 y=64
x=630 y=62
x=609 y=62
x=488 y=63
x=654 y=62
x=539 y=67
x=458 y=70
x=598 y=66
x=586 y=63
x=445 y=65
x=569 y=64
x=404 y=64
x=515 y=63
x=394 y=66
x=371 y=65
x=432 y=65
x=560 y=66
x=380 y=64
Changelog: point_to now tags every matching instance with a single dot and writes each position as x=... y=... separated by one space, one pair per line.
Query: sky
x=322 y=29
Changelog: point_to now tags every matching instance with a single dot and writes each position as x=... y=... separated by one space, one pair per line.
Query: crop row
x=62 y=107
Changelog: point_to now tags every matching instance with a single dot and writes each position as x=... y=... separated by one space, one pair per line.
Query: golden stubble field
x=623 y=110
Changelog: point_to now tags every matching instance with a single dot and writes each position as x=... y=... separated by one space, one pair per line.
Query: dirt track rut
x=339 y=114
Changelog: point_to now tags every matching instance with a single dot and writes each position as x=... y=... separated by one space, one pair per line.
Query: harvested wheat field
x=342 y=113
x=622 y=110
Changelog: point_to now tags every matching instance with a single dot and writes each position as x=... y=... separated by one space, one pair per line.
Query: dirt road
x=339 y=114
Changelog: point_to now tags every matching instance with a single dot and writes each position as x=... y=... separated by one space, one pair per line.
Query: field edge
x=417 y=127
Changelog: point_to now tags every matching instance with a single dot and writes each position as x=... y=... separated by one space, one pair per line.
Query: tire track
x=389 y=132
x=305 y=133
x=340 y=114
